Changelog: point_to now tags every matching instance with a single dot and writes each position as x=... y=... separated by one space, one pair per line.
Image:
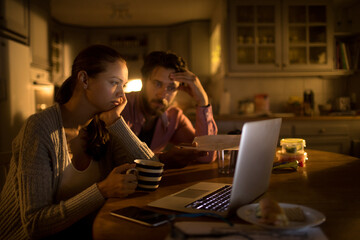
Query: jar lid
x=294 y=141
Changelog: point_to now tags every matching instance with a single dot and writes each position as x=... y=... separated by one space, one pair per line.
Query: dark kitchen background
x=295 y=59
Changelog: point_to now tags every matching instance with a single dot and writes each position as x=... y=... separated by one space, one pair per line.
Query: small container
x=300 y=158
x=262 y=103
x=292 y=145
x=292 y=150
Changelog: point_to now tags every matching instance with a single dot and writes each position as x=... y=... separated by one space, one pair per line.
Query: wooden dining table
x=329 y=183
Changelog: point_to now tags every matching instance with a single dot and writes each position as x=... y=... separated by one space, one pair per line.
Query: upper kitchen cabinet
x=308 y=34
x=347 y=37
x=133 y=47
x=39 y=34
x=255 y=35
x=284 y=37
x=14 y=19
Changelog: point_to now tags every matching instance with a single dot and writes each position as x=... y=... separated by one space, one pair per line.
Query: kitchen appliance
x=17 y=100
x=16 y=95
x=43 y=89
x=342 y=104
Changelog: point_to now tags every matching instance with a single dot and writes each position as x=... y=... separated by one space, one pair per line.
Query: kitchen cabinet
x=39 y=34
x=14 y=19
x=347 y=17
x=57 y=56
x=333 y=134
x=133 y=47
x=347 y=38
x=280 y=36
x=191 y=41
x=326 y=136
x=132 y=43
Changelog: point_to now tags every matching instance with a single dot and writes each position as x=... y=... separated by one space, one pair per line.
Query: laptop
x=252 y=173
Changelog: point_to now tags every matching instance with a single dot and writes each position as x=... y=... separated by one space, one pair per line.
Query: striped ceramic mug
x=148 y=174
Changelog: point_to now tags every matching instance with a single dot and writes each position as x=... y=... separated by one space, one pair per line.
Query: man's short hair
x=163 y=59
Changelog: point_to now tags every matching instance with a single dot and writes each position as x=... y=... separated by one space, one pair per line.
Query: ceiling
x=110 y=13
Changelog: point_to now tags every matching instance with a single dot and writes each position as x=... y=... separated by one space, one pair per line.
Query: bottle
x=353 y=101
x=225 y=103
x=308 y=102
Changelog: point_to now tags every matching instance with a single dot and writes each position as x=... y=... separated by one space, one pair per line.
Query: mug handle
x=132 y=171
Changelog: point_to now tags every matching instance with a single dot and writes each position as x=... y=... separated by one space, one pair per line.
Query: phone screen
x=142 y=216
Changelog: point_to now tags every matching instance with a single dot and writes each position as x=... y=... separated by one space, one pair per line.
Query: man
x=152 y=118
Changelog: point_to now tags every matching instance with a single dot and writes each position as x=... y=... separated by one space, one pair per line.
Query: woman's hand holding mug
x=117 y=184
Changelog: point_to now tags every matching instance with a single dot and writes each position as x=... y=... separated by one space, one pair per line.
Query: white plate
x=312 y=217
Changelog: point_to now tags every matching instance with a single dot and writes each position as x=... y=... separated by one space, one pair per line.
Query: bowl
x=324 y=109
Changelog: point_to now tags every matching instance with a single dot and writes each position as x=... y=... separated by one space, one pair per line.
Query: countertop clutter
x=295 y=106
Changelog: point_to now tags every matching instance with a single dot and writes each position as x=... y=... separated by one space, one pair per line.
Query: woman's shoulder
x=40 y=125
x=49 y=116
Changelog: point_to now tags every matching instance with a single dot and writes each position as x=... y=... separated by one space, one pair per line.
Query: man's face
x=159 y=91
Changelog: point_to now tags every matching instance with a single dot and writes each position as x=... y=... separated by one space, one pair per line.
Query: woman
x=64 y=158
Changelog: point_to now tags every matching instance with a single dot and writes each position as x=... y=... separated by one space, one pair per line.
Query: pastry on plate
x=270 y=212
x=295 y=214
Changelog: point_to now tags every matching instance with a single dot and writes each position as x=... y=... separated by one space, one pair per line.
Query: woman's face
x=106 y=90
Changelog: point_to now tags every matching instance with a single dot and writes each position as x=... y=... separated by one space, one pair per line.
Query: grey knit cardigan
x=28 y=209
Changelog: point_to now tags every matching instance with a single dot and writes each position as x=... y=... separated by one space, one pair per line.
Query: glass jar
x=292 y=150
x=292 y=145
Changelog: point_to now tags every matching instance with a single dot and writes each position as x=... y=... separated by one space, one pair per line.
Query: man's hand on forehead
x=172 y=79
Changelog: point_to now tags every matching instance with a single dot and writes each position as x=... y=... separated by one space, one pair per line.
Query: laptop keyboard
x=216 y=201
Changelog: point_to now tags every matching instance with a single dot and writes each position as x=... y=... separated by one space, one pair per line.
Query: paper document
x=220 y=230
x=216 y=142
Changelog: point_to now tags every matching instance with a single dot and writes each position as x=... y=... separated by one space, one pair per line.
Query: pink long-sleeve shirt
x=172 y=126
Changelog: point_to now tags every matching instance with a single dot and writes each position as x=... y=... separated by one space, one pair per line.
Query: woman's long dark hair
x=93 y=60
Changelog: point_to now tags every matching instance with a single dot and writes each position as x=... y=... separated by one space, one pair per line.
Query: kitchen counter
x=340 y=134
x=285 y=117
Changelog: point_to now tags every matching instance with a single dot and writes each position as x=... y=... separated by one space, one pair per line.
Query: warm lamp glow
x=44 y=88
x=215 y=49
x=133 y=85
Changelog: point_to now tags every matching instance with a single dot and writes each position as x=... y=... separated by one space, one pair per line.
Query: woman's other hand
x=118 y=184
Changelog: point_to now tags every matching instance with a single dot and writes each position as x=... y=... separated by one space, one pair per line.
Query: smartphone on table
x=142 y=216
